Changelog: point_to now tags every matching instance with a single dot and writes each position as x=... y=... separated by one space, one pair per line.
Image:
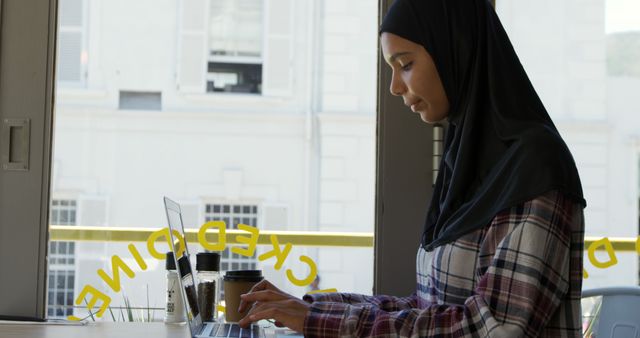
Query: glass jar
x=189 y=285
x=208 y=272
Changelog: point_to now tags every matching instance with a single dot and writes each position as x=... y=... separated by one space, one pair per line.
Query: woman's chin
x=430 y=118
x=427 y=118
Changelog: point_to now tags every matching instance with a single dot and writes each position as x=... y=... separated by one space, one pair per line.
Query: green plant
x=128 y=313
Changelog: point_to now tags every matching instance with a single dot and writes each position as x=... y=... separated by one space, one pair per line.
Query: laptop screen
x=174 y=218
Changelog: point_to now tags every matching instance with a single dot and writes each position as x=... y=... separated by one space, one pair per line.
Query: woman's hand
x=269 y=302
x=263 y=285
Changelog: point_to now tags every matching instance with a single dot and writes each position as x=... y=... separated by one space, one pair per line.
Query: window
x=234 y=61
x=140 y=100
x=62 y=262
x=238 y=46
x=232 y=215
x=72 y=49
x=308 y=159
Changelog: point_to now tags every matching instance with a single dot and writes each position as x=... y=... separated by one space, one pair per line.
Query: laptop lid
x=174 y=218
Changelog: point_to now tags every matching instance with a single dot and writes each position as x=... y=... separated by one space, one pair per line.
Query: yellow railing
x=621 y=244
x=297 y=238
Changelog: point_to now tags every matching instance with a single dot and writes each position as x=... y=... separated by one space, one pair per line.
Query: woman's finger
x=286 y=312
x=260 y=286
x=281 y=312
x=263 y=296
x=254 y=308
x=259 y=296
x=263 y=285
x=266 y=312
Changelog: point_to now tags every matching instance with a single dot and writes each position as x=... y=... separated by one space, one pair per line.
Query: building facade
x=275 y=117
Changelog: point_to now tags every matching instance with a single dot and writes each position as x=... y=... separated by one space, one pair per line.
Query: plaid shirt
x=520 y=276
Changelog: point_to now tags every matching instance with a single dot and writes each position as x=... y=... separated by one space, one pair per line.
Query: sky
x=622 y=15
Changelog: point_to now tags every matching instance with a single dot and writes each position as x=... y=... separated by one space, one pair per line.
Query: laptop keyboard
x=233 y=330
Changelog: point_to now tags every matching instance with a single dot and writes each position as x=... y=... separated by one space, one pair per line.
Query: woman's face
x=415 y=78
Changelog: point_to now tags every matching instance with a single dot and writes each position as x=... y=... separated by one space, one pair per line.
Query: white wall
x=563 y=51
x=562 y=46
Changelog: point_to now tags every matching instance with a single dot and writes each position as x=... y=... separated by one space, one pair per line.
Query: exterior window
x=236 y=46
x=62 y=262
x=72 y=51
x=235 y=37
x=232 y=215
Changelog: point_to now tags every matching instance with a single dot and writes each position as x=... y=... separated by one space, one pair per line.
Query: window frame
x=29 y=30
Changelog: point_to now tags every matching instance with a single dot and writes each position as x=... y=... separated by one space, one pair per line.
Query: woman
x=501 y=252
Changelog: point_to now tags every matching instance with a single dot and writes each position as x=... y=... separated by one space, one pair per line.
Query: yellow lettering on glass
x=608 y=247
x=251 y=241
x=96 y=295
x=313 y=271
x=280 y=255
x=164 y=232
x=222 y=236
x=116 y=264
x=136 y=254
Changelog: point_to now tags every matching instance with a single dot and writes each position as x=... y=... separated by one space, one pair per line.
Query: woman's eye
x=407 y=66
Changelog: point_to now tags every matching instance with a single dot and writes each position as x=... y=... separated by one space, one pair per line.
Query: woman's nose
x=397 y=87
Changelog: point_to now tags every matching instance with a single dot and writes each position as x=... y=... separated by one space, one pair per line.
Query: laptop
x=199 y=328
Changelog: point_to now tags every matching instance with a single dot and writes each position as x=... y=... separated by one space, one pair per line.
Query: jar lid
x=244 y=275
x=208 y=261
x=170 y=262
x=185 y=267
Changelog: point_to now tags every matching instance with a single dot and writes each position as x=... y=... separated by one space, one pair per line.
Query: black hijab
x=501 y=147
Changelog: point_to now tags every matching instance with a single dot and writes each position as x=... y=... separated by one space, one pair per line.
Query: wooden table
x=95 y=330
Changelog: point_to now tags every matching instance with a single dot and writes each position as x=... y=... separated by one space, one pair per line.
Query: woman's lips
x=414 y=107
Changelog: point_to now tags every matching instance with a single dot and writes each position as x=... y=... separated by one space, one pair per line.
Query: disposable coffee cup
x=236 y=283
